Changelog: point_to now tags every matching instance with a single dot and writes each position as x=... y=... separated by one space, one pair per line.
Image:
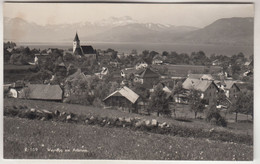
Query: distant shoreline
x=127 y=47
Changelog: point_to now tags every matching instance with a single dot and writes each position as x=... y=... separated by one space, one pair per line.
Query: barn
x=123 y=97
x=41 y=92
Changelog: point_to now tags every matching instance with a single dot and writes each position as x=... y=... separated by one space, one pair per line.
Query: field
x=13 y=73
x=34 y=139
x=184 y=70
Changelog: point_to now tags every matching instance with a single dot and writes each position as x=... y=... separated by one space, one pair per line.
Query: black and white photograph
x=128 y=81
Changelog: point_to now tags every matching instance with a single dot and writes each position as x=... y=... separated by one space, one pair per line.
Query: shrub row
x=133 y=123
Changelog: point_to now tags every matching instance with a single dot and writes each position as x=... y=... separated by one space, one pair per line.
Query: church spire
x=76 y=37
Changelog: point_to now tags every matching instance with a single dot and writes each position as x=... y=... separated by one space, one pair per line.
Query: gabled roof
x=201 y=76
x=62 y=64
x=201 y=85
x=229 y=84
x=139 y=61
x=76 y=37
x=147 y=72
x=248 y=63
x=124 y=92
x=78 y=51
x=158 y=57
x=87 y=49
x=43 y=92
x=78 y=75
x=128 y=71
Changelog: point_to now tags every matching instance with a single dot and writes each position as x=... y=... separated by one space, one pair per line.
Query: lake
x=227 y=50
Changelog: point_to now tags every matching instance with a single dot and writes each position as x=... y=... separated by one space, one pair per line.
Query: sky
x=198 y=15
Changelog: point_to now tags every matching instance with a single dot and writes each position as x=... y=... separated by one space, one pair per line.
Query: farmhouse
x=157 y=60
x=123 y=97
x=41 y=92
x=12 y=90
x=82 y=50
x=207 y=88
x=147 y=77
x=141 y=64
x=231 y=90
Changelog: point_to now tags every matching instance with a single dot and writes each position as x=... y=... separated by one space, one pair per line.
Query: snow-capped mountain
x=126 y=29
x=116 y=21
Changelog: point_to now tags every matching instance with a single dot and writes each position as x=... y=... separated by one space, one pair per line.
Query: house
x=147 y=77
x=78 y=75
x=86 y=50
x=127 y=72
x=123 y=97
x=12 y=90
x=71 y=85
x=41 y=92
x=249 y=63
x=157 y=60
x=9 y=91
x=165 y=89
x=248 y=73
x=216 y=62
x=208 y=89
x=103 y=72
x=141 y=64
x=231 y=90
x=201 y=76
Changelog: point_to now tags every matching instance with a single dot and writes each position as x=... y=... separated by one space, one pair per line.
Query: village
x=144 y=83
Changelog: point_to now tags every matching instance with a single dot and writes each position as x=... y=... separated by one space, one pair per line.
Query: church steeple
x=76 y=38
x=76 y=44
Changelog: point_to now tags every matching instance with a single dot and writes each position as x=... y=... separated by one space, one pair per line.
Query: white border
x=256 y=89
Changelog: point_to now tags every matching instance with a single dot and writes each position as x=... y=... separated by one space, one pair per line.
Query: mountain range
x=232 y=31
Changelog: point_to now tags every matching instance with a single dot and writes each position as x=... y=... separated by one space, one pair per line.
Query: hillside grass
x=243 y=128
x=34 y=139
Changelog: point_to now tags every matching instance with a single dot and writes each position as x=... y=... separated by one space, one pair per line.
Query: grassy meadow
x=35 y=139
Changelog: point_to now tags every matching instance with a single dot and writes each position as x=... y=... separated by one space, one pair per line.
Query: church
x=86 y=50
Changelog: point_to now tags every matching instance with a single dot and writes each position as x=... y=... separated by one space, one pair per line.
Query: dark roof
x=147 y=72
x=229 y=84
x=78 y=51
x=87 y=50
x=44 y=92
x=76 y=37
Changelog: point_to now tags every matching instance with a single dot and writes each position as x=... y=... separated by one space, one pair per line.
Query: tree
x=159 y=101
x=195 y=102
x=134 y=52
x=243 y=104
x=213 y=112
x=7 y=56
x=250 y=104
x=40 y=76
x=165 y=53
x=177 y=90
x=143 y=92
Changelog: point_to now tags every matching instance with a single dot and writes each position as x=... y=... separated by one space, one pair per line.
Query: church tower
x=76 y=43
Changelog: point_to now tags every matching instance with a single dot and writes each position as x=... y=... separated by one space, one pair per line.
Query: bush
x=97 y=102
x=214 y=114
x=78 y=99
x=10 y=111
